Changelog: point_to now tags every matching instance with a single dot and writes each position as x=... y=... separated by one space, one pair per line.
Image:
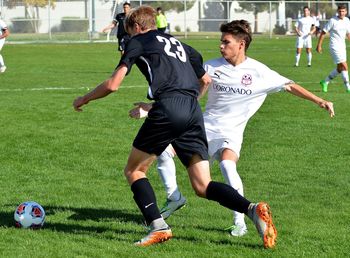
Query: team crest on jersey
x=246 y=79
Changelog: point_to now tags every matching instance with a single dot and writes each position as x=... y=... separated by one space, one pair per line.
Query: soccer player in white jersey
x=339 y=29
x=4 y=32
x=304 y=27
x=238 y=89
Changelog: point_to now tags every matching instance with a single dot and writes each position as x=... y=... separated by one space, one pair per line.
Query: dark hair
x=159 y=9
x=126 y=3
x=239 y=29
x=341 y=6
x=306 y=7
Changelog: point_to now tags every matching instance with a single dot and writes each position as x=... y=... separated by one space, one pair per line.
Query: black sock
x=227 y=197
x=145 y=199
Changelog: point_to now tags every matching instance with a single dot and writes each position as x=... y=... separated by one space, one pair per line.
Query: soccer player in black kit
x=122 y=36
x=175 y=118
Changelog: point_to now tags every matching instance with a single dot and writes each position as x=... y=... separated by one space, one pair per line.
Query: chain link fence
x=83 y=20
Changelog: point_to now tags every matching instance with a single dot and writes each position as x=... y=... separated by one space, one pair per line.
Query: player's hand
x=78 y=103
x=328 y=106
x=319 y=49
x=141 y=110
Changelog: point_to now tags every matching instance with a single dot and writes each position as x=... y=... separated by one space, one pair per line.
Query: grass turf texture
x=294 y=156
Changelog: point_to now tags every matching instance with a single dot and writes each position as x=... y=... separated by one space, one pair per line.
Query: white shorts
x=338 y=55
x=2 y=42
x=216 y=146
x=304 y=42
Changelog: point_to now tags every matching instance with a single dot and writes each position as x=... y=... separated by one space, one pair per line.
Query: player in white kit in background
x=239 y=87
x=304 y=27
x=4 y=32
x=338 y=28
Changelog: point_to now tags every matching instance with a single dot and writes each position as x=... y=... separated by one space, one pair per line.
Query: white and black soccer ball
x=29 y=215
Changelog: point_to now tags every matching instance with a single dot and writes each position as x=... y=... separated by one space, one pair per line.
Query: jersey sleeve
x=132 y=52
x=3 y=25
x=275 y=82
x=196 y=60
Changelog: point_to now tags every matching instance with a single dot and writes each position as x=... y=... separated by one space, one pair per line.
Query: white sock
x=332 y=75
x=309 y=58
x=345 y=77
x=1 y=61
x=167 y=171
x=297 y=58
x=229 y=171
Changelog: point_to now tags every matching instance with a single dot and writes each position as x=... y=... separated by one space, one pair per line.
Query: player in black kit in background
x=122 y=36
x=175 y=118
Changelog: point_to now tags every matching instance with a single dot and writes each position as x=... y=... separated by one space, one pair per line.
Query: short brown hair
x=341 y=7
x=144 y=15
x=239 y=29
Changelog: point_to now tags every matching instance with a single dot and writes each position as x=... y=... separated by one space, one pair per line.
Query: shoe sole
x=157 y=237
x=270 y=233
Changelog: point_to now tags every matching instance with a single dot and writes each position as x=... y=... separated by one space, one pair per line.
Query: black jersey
x=119 y=18
x=166 y=63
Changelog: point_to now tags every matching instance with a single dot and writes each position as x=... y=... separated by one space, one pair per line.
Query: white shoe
x=2 y=69
x=261 y=215
x=170 y=207
x=238 y=230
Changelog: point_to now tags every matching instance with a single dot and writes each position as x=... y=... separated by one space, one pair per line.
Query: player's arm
x=5 y=33
x=104 y=89
x=301 y=92
x=110 y=26
x=313 y=29
x=196 y=61
x=320 y=42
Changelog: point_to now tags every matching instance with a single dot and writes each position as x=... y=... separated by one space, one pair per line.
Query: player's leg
x=309 y=56
x=167 y=171
x=297 y=56
x=229 y=170
x=2 y=63
x=338 y=57
x=343 y=68
x=228 y=197
x=135 y=172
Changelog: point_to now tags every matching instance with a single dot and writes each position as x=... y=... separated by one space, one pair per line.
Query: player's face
x=306 y=12
x=230 y=47
x=126 y=8
x=342 y=13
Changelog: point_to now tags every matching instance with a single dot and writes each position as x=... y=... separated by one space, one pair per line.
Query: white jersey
x=338 y=29
x=2 y=26
x=304 y=25
x=235 y=94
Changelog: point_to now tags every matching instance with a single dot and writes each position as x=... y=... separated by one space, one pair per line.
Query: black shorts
x=122 y=41
x=175 y=120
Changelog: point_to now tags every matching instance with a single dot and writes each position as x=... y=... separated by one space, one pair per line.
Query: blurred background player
x=122 y=35
x=4 y=32
x=161 y=20
x=304 y=27
x=338 y=28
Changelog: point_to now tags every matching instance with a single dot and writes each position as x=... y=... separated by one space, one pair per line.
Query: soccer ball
x=29 y=215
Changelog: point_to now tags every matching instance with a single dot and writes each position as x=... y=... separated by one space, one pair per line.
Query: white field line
x=62 y=88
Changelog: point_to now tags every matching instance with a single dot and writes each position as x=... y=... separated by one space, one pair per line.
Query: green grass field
x=294 y=156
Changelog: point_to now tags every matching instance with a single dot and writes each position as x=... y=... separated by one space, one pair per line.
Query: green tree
x=32 y=10
x=256 y=6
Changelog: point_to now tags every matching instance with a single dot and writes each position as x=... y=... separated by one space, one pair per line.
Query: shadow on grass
x=78 y=214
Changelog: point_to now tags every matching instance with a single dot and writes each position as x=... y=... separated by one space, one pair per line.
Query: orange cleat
x=262 y=219
x=155 y=237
